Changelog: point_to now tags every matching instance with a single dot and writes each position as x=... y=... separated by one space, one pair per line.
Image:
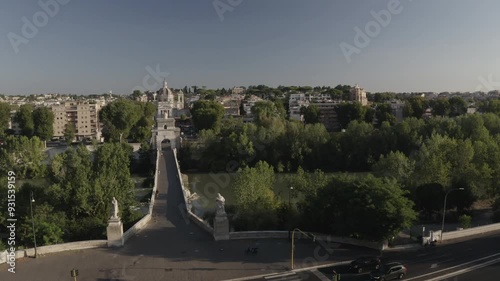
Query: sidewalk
x=410 y=236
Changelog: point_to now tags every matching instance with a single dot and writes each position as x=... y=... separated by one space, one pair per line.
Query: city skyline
x=92 y=47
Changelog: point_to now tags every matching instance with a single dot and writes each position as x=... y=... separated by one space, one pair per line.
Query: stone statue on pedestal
x=115 y=208
x=114 y=231
x=221 y=222
x=220 y=202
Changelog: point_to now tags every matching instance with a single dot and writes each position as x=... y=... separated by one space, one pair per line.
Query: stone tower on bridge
x=168 y=106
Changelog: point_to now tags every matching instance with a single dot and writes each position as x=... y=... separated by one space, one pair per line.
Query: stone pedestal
x=221 y=228
x=115 y=232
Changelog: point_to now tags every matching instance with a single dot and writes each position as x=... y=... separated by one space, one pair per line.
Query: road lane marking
x=430 y=258
x=295 y=270
x=279 y=275
x=453 y=267
x=465 y=270
x=434 y=265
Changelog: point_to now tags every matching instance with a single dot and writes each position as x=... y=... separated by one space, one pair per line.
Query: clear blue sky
x=94 y=46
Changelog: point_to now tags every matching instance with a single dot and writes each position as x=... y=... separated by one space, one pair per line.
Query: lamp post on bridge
x=444 y=209
x=32 y=200
x=289 y=210
x=293 y=242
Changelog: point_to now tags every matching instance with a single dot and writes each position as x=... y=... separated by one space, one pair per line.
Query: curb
x=289 y=271
x=403 y=247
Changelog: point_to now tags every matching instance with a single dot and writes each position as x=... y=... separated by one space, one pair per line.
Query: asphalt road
x=173 y=248
x=488 y=273
x=429 y=263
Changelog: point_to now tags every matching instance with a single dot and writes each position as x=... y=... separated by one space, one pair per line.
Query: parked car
x=389 y=271
x=365 y=263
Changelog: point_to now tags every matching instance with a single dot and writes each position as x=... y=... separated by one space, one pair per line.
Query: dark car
x=365 y=263
x=389 y=271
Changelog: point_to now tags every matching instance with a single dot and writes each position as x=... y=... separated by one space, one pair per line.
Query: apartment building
x=84 y=116
x=328 y=115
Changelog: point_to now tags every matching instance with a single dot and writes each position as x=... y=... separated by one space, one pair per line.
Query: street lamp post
x=293 y=242
x=289 y=210
x=32 y=200
x=444 y=209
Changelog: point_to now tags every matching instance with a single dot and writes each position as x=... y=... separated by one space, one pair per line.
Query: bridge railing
x=190 y=215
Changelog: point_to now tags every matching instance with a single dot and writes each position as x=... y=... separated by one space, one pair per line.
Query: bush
x=465 y=221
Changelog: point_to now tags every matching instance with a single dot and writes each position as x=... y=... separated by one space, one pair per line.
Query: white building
x=170 y=103
x=237 y=90
x=248 y=104
x=359 y=95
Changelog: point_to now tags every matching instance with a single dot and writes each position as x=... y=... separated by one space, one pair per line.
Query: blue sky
x=95 y=46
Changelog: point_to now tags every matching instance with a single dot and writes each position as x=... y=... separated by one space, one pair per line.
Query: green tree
x=394 y=165
x=240 y=146
x=141 y=131
x=253 y=187
x=43 y=119
x=264 y=112
x=458 y=106
x=4 y=116
x=254 y=198
x=24 y=156
x=383 y=97
x=119 y=117
x=113 y=180
x=207 y=114
x=432 y=163
x=311 y=114
x=3 y=207
x=73 y=186
x=50 y=225
x=136 y=94
x=415 y=107
x=440 y=107
x=383 y=113
x=24 y=117
x=280 y=107
x=347 y=112
x=491 y=106
x=356 y=148
x=429 y=198
x=358 y=207
x=308 y=184
x=69 y=132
